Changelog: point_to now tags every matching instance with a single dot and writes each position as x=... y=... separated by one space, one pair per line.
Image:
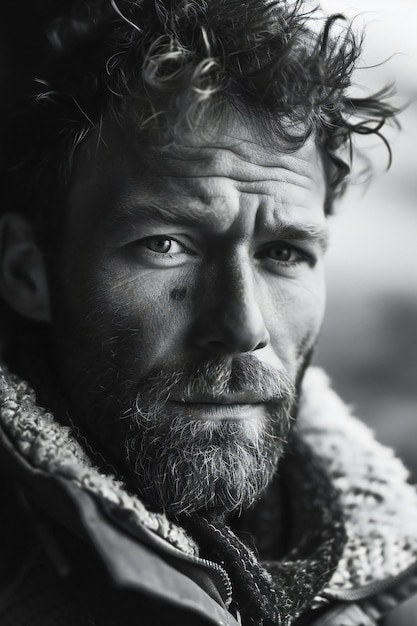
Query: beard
x=176 y=463
x=179 y=464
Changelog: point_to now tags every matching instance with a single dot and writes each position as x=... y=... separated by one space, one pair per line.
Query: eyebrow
x=176 y=213
x=165 y=210
x=304 y=232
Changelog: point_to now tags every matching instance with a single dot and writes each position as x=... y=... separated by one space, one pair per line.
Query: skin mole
x=178 y=294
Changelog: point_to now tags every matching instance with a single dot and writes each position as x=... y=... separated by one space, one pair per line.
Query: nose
x=230 y=320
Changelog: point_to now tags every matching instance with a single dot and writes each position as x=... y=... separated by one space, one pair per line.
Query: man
x=162 y=273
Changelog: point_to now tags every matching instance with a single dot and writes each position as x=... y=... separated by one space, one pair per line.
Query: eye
x=280 y=251
x=283 y=255
x=161 y=251
x=163 y=245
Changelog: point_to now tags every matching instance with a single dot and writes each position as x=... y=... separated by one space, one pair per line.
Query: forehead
x=213 y=171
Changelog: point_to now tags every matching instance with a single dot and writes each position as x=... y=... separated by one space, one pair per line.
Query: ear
x=23 y=278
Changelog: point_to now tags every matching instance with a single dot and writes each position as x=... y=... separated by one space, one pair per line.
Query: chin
x=211 y=464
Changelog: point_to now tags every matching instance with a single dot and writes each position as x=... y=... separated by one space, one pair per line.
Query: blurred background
x=369 y=338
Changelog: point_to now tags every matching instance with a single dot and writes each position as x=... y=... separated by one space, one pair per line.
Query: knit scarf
x=275 y=593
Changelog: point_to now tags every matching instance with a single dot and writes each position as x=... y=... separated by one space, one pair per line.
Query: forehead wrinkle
x=182 y=152
x=258 y=144
x=200 y=205
x=220 y=172
x=178 y=210
x=265 y=186
x=237 y=168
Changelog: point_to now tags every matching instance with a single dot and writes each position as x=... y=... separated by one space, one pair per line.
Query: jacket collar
x=380 y=506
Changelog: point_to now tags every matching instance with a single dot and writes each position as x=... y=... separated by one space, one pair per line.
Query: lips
x=219 y=409
x=224 y=399
x=241 y=398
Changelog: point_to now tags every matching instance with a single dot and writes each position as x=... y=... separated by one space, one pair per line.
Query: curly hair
x=274 y=60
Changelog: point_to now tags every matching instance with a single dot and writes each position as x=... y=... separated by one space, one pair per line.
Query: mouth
x=219 y=409
x=241 y=398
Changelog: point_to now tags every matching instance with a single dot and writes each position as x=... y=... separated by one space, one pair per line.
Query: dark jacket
x=78 y=549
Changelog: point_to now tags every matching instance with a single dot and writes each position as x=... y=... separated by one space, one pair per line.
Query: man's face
x=188 y=296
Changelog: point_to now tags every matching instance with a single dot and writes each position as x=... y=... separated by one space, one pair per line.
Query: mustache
x=218 y=377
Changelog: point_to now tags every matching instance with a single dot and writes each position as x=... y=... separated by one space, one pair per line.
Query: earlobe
x=23 y=277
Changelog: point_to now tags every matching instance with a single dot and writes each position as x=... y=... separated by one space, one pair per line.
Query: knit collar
x=379 y=507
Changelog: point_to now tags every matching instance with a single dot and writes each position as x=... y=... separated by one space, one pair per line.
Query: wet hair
x=274 y=60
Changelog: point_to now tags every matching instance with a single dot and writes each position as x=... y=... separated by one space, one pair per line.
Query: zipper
x=224 y=576
x=163 y=545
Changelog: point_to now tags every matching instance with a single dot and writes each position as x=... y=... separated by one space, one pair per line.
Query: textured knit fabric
x=379 y=504
x=274 y=592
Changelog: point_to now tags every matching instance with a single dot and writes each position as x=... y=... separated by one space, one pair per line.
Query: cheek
x=295 y=319
x=145 y=317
